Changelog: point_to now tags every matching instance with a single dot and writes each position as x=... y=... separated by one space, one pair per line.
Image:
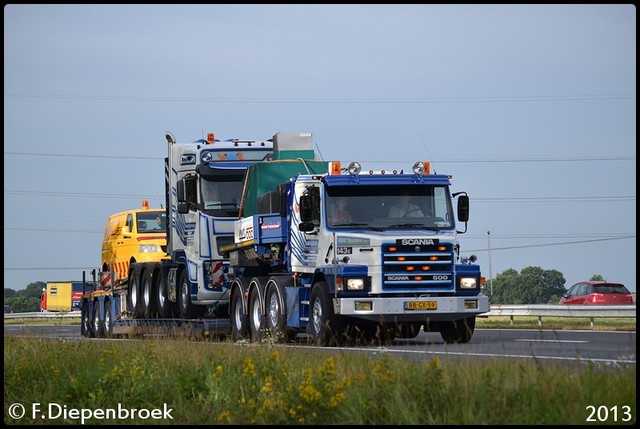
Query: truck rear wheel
x=255 y=315
x=276 y=310
x=166 y=308
x=458 y=331
x=324 y=326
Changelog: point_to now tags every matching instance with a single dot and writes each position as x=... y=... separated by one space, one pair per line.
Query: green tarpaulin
x=264 y=177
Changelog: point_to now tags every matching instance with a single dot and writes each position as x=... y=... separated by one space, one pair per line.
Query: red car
x=600 y=293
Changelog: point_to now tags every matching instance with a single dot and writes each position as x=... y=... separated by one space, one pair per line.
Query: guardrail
x=558 y=310
x=536 y=310
x=44 y=315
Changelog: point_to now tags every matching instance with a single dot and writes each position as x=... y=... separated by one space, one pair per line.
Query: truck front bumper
x=412 y=309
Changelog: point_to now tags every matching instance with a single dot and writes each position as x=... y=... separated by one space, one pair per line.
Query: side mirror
x=463 y=208
x=180 y=190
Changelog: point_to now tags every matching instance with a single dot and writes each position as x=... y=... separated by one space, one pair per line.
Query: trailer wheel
x=107 y=324
x=275 y=308
x=96 y=325
x=147 y=303
x=166 y=308
x=255 y=316
x=239 y=318
x=325 y=327
x=133 y=293
x=85 y=325
x=458 y=331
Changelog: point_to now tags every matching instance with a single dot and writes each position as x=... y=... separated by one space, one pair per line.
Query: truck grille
x=420 y=267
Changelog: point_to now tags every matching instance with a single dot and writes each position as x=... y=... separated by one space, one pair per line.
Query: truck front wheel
x=457 y=331
x=187 y=309
x=324 y=326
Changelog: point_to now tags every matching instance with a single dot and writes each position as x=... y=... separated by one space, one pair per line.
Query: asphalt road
x=607 y=348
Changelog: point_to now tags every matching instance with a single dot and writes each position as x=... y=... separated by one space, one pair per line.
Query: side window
x=191 y=191
x=581 y=290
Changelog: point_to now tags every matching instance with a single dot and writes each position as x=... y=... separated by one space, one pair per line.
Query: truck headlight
x=468 y=283
x=355 y=284
x=148 y=248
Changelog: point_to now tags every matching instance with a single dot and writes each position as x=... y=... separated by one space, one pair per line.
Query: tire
x=133 y=293
x=276 y=310
x=96 y=324
x=238 y=316
x=86 y=318
x=325 y=328
x=187 y=309
x=458 y=331
x=107 y=323
x=148 y=297
x=166 y=308
x=255 y=316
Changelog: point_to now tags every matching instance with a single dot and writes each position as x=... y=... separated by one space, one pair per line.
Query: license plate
x=421 y=305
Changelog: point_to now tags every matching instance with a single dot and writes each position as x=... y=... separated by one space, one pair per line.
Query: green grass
x=226 y=383
x=558 y=323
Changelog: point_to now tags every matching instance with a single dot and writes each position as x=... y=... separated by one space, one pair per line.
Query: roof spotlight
x=354 y=168
x=419 y=167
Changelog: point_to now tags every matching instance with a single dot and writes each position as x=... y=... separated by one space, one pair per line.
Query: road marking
x=550 y=341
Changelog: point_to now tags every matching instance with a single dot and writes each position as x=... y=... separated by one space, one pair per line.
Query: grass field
x=186 y=382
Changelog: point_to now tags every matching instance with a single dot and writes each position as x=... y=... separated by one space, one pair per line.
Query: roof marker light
x=211 y=138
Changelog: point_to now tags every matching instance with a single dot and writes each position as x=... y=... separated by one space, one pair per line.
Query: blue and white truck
x=384 y=273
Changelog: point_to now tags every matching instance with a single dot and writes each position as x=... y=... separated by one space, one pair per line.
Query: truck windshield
x=221 y=195
x=388 y=207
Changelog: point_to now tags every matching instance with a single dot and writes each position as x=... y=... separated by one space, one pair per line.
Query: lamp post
x=490 y=274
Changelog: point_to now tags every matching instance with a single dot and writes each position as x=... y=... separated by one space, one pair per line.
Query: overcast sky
x=531 y=109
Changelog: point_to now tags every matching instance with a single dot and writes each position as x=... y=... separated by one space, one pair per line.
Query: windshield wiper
x=350 y=224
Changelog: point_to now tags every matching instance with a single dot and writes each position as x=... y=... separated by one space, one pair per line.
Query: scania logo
x=398 y=278
x=419 y=241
